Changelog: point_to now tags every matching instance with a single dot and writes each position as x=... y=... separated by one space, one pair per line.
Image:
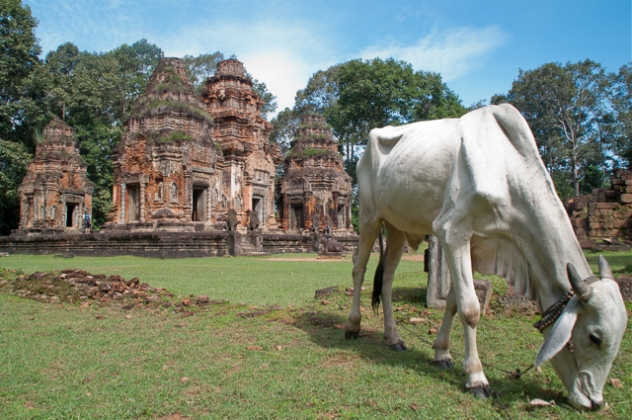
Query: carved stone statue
x=254 y=220
x=316 y=219
x=329 y=228
x=174 y=193
x=232 y=222
x=330 y=245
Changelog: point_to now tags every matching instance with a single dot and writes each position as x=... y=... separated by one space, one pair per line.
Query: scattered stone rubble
x=72 y=286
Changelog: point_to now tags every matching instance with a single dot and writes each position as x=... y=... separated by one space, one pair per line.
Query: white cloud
x=282 y=54
x=453 y=53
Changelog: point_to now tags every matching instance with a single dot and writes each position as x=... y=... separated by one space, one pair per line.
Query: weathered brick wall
x=606 y=212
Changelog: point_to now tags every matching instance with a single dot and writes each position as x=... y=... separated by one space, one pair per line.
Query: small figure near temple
x=87 y=223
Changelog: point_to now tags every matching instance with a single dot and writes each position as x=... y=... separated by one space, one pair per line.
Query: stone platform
x=159 y=244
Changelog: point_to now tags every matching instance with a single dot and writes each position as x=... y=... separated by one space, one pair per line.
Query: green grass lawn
x=271 y=352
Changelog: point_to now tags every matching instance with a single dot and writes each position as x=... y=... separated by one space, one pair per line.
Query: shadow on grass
x=325 y=328
x=410 y=295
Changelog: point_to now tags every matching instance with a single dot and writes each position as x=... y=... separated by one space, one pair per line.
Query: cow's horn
x=581 y=289
x=604 y=268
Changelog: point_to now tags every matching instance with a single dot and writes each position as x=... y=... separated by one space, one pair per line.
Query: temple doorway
x=296 y=217
x=199 y=204
x=71 y=208
x=341 y=216
x=257 y=207
x=133 y=203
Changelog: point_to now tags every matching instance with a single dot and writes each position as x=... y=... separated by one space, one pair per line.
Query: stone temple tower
x=55 y=192
x=165 y=175
x=315 y=191
x=250 y=160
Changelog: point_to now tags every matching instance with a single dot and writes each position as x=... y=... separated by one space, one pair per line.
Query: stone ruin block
x=439 y=279
x=233 y=243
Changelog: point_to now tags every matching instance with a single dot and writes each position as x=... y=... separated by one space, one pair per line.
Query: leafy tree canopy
x=564 y=105
x=18 y=57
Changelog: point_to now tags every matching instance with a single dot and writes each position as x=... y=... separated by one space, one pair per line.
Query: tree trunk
x=575 y=177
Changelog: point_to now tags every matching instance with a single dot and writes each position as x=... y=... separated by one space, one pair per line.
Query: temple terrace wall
x=158 y=244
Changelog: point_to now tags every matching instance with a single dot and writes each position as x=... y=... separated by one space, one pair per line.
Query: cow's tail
x=379 y=277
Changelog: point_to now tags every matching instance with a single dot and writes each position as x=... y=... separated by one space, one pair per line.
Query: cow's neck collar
x=554 y=311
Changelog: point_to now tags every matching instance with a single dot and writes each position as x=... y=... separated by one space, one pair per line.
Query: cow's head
x=594 y=322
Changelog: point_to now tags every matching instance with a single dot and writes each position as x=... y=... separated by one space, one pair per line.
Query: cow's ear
x=560 y=334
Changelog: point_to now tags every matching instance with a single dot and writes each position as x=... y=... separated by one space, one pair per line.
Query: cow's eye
x=595 y=339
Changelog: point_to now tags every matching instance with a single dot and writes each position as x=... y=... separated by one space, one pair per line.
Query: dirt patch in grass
x=254 y=313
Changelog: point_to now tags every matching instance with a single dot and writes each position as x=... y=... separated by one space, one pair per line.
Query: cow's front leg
x=441 y=345
x=368 y=233
x=460 y=264
x=394 y=250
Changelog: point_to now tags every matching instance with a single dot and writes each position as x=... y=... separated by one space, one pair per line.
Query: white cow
x=479 y=185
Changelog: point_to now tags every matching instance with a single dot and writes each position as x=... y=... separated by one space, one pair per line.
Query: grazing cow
x=479 y=185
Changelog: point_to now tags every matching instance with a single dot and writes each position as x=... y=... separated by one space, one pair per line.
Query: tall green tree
x=621 y=118
x=360 y=95
x=285 y=125
x=201 y=67
x=14 y=161
x=19 y=52
x=136 y=63
x=563 y=105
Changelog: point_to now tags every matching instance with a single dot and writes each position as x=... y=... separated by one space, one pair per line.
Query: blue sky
x=476 y=45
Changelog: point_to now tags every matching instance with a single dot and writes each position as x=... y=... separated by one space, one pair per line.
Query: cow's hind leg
x=441 y=345
x=368 y=233
x=394 y=250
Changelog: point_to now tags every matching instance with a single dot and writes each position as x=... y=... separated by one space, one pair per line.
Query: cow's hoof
x=398 y=346
x=483 y=391
x=350 y=335
x=443 y=364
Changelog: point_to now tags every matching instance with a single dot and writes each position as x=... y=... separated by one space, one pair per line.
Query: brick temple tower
x=55 y=192
x=250 y=160
x=165 y=174
x=315 y=189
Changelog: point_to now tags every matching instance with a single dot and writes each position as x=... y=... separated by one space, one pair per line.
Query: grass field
x=272 y=351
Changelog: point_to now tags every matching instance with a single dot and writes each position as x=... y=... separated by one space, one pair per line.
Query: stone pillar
x=188 y=195
x=333 y=212
x=348 y=225
x=122 y=215
x=307 y=210
x=233 y=243
x=438 y=275
x=257 y=240
x=209 y=203
x=142 y=202
x=439 y=279
x=286 y=213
